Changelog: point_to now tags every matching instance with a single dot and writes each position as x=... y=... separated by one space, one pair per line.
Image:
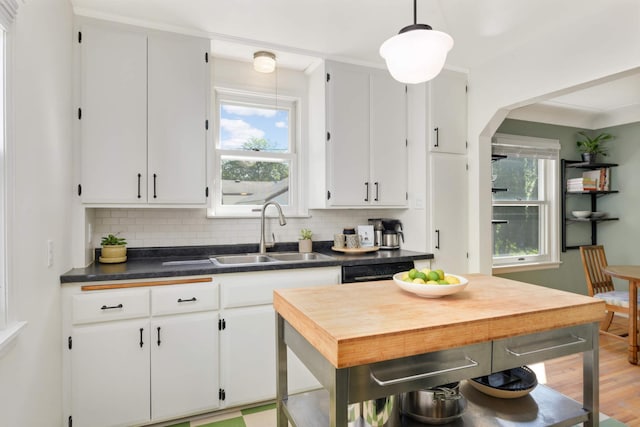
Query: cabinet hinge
x=206 y=191
x=221 y=394
x=328 y=77
x=79 y=36
x=70 y=342
x=206 y=57
x=221 y=324
x=328 y=136
x=79 y=113
x=70 y=421
x=328 y=195
x=206 y=124
x=79 y=189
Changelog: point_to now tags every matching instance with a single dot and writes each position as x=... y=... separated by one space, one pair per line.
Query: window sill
x=8 y=336
x=514 y=268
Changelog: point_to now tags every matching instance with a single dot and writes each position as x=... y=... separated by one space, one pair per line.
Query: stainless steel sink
x=268 y=258
x=298 y=256
x=242 y=259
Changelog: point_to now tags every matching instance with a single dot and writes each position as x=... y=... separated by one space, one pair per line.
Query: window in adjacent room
x=529 y=206
x=255 y=154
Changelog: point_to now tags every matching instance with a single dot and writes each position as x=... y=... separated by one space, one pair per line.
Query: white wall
x=604 y=40
x=30 y=372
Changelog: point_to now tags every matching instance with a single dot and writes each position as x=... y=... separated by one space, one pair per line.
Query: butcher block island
x=372 y=340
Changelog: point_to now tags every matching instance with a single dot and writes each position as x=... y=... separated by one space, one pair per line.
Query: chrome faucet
x=283 y=221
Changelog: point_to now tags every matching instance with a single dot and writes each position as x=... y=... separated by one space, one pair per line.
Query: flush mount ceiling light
x=417 y=53
x=264 y=62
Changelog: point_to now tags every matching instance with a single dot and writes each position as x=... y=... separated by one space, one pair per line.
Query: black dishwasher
x=370 y=272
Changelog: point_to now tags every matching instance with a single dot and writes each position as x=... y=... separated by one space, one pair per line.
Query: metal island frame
x=371 y=340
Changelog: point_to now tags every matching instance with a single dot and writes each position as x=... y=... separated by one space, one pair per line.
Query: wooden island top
x=356 y=324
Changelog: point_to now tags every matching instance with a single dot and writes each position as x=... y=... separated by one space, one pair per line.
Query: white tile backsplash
x=150 y=227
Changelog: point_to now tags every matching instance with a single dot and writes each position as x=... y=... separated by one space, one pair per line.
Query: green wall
x=619 y=237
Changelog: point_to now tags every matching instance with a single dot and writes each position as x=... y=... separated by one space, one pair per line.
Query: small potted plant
x=592 y=147
x=114 y=249
x=304 y=243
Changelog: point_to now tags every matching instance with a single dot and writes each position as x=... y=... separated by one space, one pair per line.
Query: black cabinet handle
x=437 y=239
x=139 y=179
x=437 y=130
x=187 y=300
x=141 y=342
x=158 y=336
x=111 y=307
x=366 y=196
x=377 y=186
x=154 y=186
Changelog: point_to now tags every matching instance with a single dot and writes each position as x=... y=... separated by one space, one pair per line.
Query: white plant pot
x=305 y=245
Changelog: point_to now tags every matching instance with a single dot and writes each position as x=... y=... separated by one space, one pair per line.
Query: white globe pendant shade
x=416 y=55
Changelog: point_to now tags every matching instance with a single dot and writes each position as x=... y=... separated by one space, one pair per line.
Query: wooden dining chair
x=600 y=285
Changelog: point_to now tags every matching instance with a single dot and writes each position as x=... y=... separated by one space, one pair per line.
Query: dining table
x=631 y=273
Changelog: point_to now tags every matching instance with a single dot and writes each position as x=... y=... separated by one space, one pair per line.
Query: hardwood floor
x=619 y=380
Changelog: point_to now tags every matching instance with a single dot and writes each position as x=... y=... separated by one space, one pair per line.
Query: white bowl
x=581 y=214
x=430 y=291
x=598 y=214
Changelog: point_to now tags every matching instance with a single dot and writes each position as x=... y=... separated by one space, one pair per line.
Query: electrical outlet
x=49 y=253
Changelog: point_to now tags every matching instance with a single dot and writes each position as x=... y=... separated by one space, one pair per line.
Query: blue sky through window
x=240 y=123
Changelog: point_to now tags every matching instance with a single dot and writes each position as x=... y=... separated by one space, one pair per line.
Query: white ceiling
x=301 y=32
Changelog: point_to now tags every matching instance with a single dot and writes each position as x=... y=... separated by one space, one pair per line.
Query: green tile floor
x=265 y=416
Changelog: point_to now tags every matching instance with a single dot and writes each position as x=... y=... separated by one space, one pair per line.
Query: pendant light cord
x=415 y=12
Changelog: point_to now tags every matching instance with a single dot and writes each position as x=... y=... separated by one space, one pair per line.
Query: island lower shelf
x=543 y=407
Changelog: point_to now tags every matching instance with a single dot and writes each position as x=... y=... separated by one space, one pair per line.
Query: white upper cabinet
x=348 y=99
x=448 y=113
x=142 y=114
x=362 y=159
x=178 y=81
x=113 y=114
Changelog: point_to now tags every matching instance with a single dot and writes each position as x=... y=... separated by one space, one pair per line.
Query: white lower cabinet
x=110 y=373
x=247 y=342
x=184 y=364
x=142 y=355
x=145 y=355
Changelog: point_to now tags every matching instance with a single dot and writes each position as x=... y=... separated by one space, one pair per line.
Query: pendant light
x=417 y=54
x=264 y=62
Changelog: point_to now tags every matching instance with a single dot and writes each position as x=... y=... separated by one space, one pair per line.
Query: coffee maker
x=387 y=233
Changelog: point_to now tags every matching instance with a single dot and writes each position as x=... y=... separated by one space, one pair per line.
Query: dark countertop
x=145 y=263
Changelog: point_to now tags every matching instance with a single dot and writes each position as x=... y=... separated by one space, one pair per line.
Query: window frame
x=292 y=157
x=547 y=151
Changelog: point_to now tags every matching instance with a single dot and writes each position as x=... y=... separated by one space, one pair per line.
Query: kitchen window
x=525 y=203
x=255 y=153
x=9 y=328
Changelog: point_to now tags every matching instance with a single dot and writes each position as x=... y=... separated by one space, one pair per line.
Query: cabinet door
x=248 y=355
x=448 y=109
x=184 y=364
x=113 y=130
x=110 y=374
x=348 y=125
x=388 y=141
x=178 y=82
x=449 y=214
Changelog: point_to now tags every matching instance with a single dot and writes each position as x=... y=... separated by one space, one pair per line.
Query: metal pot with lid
x=437 y=405
x=391 y=239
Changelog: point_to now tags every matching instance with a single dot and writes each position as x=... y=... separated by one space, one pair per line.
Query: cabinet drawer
x=110 y=305
x=517 y=351
x=184 y=299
